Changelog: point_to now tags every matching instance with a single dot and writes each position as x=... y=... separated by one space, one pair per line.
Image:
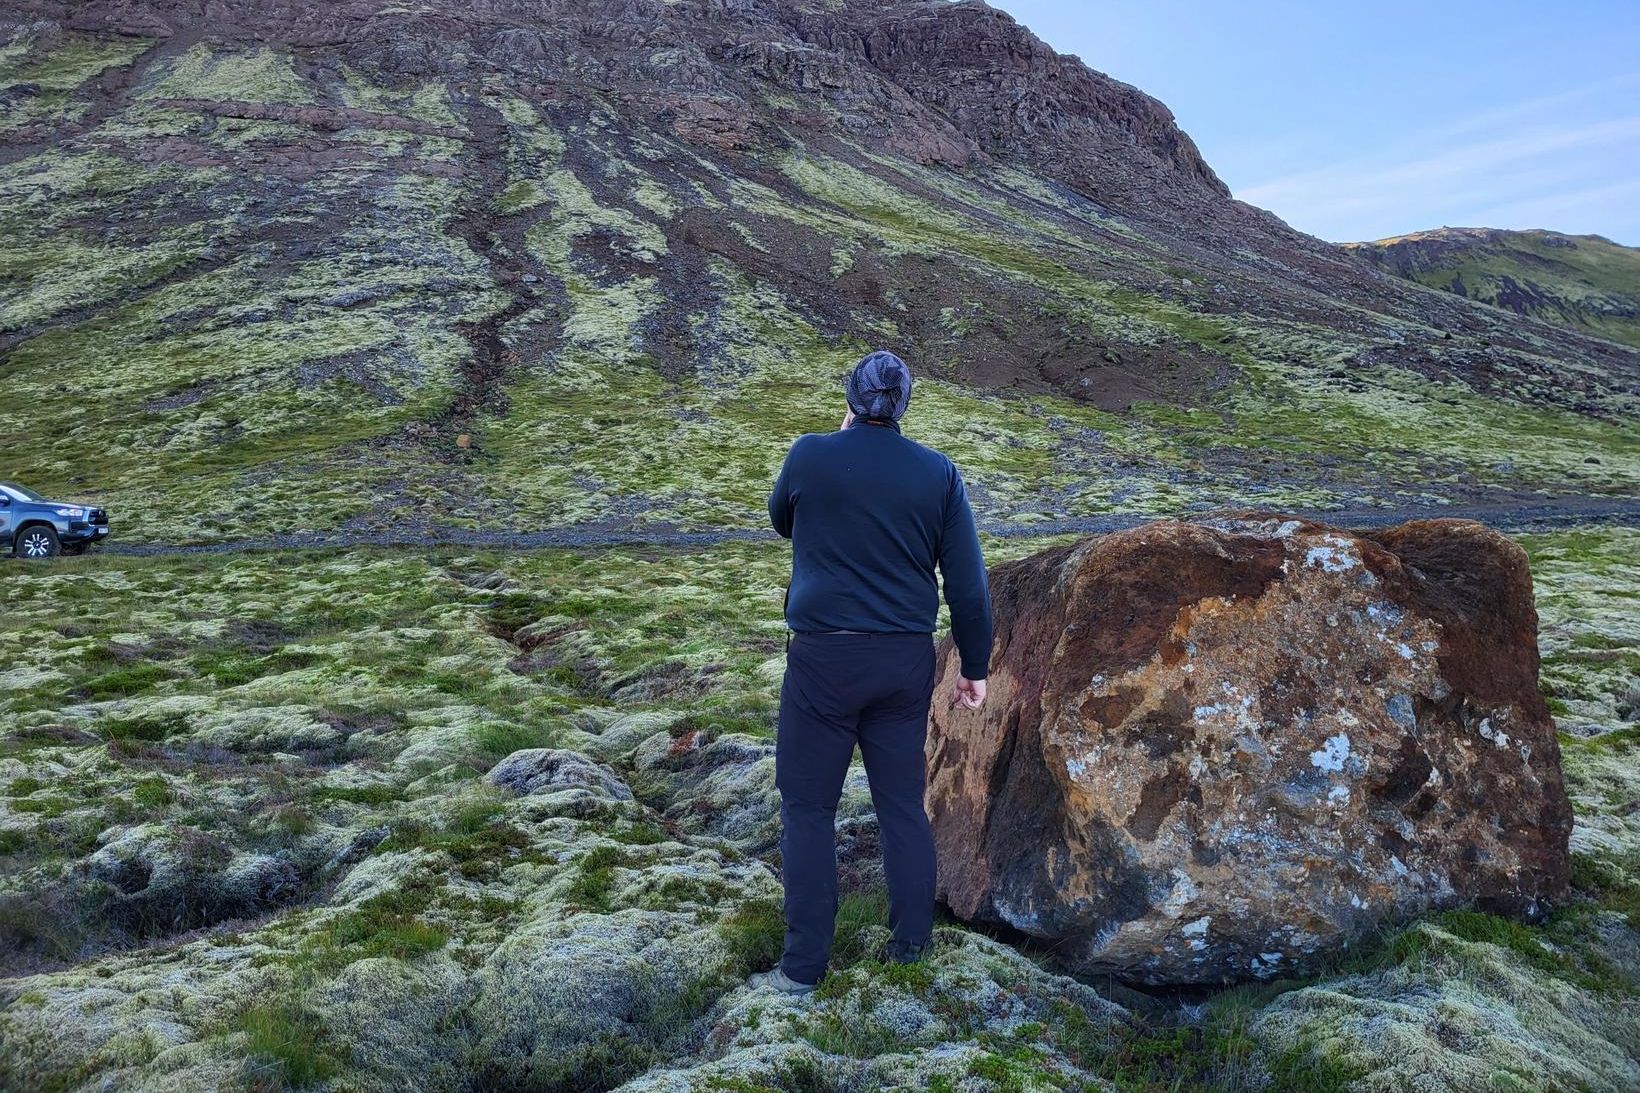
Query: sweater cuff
x=974 y=671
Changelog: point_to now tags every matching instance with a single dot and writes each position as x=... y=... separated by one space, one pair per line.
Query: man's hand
x=970 y=693
x=848 y=419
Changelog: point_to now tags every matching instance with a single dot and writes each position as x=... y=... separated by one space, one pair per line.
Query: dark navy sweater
x=870 y=514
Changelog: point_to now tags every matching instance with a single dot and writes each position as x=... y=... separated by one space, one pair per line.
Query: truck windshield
x=18 y=493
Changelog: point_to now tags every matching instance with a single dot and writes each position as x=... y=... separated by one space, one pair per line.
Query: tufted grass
x=755 y=933
x=287 y=1045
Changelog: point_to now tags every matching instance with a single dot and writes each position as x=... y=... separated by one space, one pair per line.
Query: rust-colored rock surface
x=1222 y=749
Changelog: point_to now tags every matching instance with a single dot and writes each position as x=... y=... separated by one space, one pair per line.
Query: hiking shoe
x=901 y=952
x=780 y=981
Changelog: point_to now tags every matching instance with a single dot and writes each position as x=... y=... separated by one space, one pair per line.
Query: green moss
x=146 y=727
x=362 y=795
x=1143 y=1057
x=358 y=635
x=1008 y=1073
x=1585 y=585
x=256 y=75
x=719 y=1084
x=387 y=924
x=520 y=195
x=43 y=806
x=639 y=833
x=1310 y=1068
x=205 y=393
x=77 y=60
x=54 y=77
x=835 y=1033
x=1506 y=1006
x=857 y=913
x=428 y=102
x=1528 y=945
x=124 y=682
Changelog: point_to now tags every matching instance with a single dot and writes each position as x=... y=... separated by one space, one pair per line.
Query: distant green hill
x=1585 y=282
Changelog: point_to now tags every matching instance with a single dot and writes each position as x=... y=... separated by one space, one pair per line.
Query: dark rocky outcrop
x=1226 y=748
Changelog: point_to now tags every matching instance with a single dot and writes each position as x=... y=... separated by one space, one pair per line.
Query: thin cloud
x=1555 y=104
x=1562 y=211
x=1528 y=155
x=1365 y=177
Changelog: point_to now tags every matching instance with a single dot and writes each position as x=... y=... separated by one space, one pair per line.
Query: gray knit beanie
x=879 y=388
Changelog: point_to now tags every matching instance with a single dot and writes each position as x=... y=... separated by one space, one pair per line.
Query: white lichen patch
x=1332 y=554
x=256 y=75
x=1335 y=751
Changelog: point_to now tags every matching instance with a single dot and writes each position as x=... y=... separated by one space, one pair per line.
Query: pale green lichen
x=54 y=76
x=260 y=75
x=1459 y=1014
x=1588 y=630
x=362 y=694
x=430 y=102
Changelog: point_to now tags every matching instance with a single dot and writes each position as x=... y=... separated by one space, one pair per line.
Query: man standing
x=870 y=515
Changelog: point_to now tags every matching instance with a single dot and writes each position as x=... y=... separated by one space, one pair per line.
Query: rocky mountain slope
x=1584 y=282
x=312 y=266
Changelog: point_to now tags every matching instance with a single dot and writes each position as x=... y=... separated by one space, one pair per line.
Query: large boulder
x=1222 y=749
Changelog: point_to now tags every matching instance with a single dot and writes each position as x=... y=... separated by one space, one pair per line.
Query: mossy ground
x=324 y=719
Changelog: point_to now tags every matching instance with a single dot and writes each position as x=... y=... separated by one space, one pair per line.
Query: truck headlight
x=69 y=512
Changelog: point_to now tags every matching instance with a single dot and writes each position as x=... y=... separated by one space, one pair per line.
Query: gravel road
x=1508 y=515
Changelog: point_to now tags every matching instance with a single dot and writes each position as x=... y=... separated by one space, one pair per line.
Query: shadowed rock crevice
x=499 y=240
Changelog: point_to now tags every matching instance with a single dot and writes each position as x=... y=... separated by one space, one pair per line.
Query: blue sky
x=1362 y=120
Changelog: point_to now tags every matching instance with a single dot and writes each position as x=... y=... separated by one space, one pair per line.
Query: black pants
x=841 y=690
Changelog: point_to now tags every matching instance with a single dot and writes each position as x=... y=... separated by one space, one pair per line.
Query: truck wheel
x=36 y=542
